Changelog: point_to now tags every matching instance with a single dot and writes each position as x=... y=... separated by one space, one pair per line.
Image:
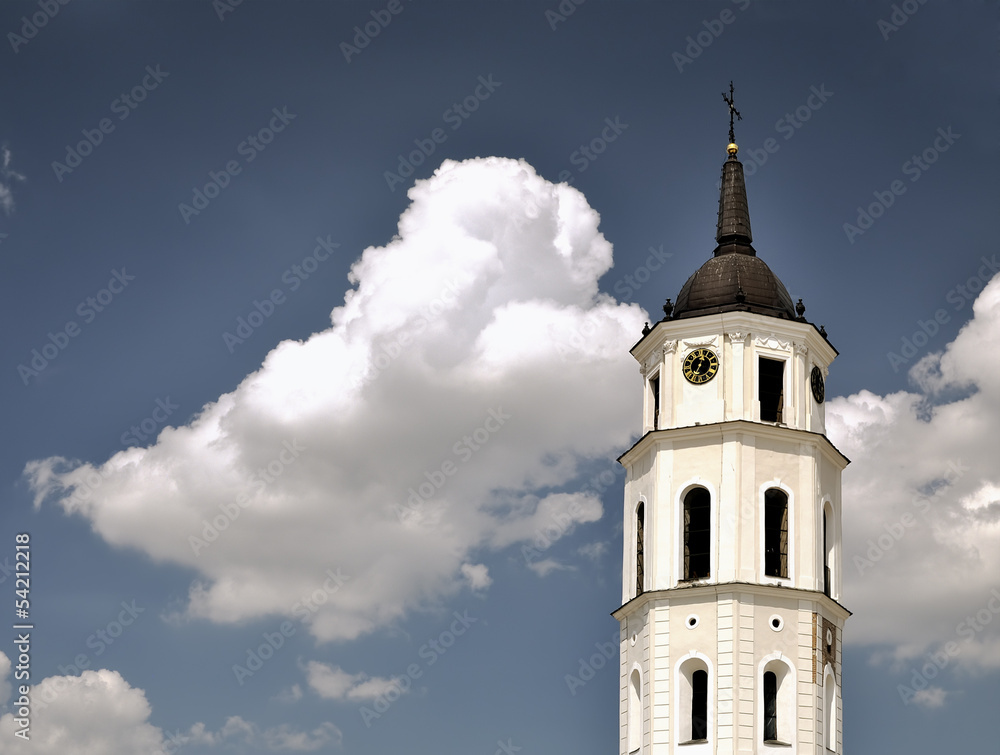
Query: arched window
x=635 y=712
x=829 y=710
x=776 y=708
x=694 y=710
x=827 y=552
x=699 y=705
x=775 y=533
x=770 y=707
x=697 y=534
x=640 y=557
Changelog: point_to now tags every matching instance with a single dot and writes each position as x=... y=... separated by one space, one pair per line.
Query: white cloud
x=333 y=683
x=922 y=504
x=290 y=695
x=5 y=684
x=70 y=723
x=546 y=566
x=99 y=713
x=9 y=175
x=283 y=738
x=477 y=575
x=593 y=551
x=454 y=389
x=932 y=697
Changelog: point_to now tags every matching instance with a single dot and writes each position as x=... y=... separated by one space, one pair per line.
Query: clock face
x=700 y=366
x=816 y=379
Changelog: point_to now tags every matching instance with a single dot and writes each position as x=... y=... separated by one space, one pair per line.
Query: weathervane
x=732 y=111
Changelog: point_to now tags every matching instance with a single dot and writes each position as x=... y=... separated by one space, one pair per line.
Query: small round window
x=691 y=621
x=776 y=623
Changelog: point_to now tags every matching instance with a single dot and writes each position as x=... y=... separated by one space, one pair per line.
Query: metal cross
x=732 y=111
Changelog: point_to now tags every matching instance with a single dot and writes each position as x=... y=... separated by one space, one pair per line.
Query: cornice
x=717 y=430
x=715 y=589
x=742 y=322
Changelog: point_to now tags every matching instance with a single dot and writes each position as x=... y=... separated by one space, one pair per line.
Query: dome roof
x=734 y=281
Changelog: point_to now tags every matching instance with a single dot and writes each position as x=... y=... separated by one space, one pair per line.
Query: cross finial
x=732 y=111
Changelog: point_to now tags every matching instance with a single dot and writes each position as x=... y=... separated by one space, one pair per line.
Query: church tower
x=731 y=623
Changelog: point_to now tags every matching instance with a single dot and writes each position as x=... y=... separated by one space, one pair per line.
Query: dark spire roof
x=734 y=213
x=735 y=278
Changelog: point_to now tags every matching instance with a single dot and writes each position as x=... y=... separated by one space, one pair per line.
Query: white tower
x=731 y=625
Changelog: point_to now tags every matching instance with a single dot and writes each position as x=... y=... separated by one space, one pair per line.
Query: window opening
x=771 y=389
x=697 y=532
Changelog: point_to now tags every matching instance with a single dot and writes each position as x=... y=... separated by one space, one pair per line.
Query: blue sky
x=187 y=185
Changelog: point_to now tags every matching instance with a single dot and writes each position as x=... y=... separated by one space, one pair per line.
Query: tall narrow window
x=697 y=533
x=770 y=707
x=775 y=533
x=640 y=557
x=699 y=705
x=826 y=555
x=654 y=386
x=770 y=390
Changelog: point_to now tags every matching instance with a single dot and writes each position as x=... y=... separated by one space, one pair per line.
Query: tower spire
x=732 y=231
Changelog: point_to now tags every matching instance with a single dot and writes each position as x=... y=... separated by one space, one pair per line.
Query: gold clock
x=700 y=366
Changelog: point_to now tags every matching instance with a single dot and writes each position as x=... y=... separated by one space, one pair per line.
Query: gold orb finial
x=732 y=149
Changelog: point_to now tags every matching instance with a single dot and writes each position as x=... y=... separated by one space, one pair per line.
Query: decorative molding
x=772 y=342
x=801 y=348
x=695 y=343
x=669 y=347
x=737 y=336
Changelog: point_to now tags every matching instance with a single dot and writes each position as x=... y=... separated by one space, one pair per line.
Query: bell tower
x=731 y=623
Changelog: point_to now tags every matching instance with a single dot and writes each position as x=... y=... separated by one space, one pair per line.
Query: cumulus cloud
x=593 y=551
x=922 y=505
x=99 y=713
x=68 y=723
x=333 y=683
x=932 y=697
x=477 y=575
x=5 y=684
x=466 y=376
x=9 y=176
x=289 y=695
x=283 y=738
x=547 y=565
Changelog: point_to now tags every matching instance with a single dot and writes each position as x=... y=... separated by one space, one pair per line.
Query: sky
x=315 y=353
